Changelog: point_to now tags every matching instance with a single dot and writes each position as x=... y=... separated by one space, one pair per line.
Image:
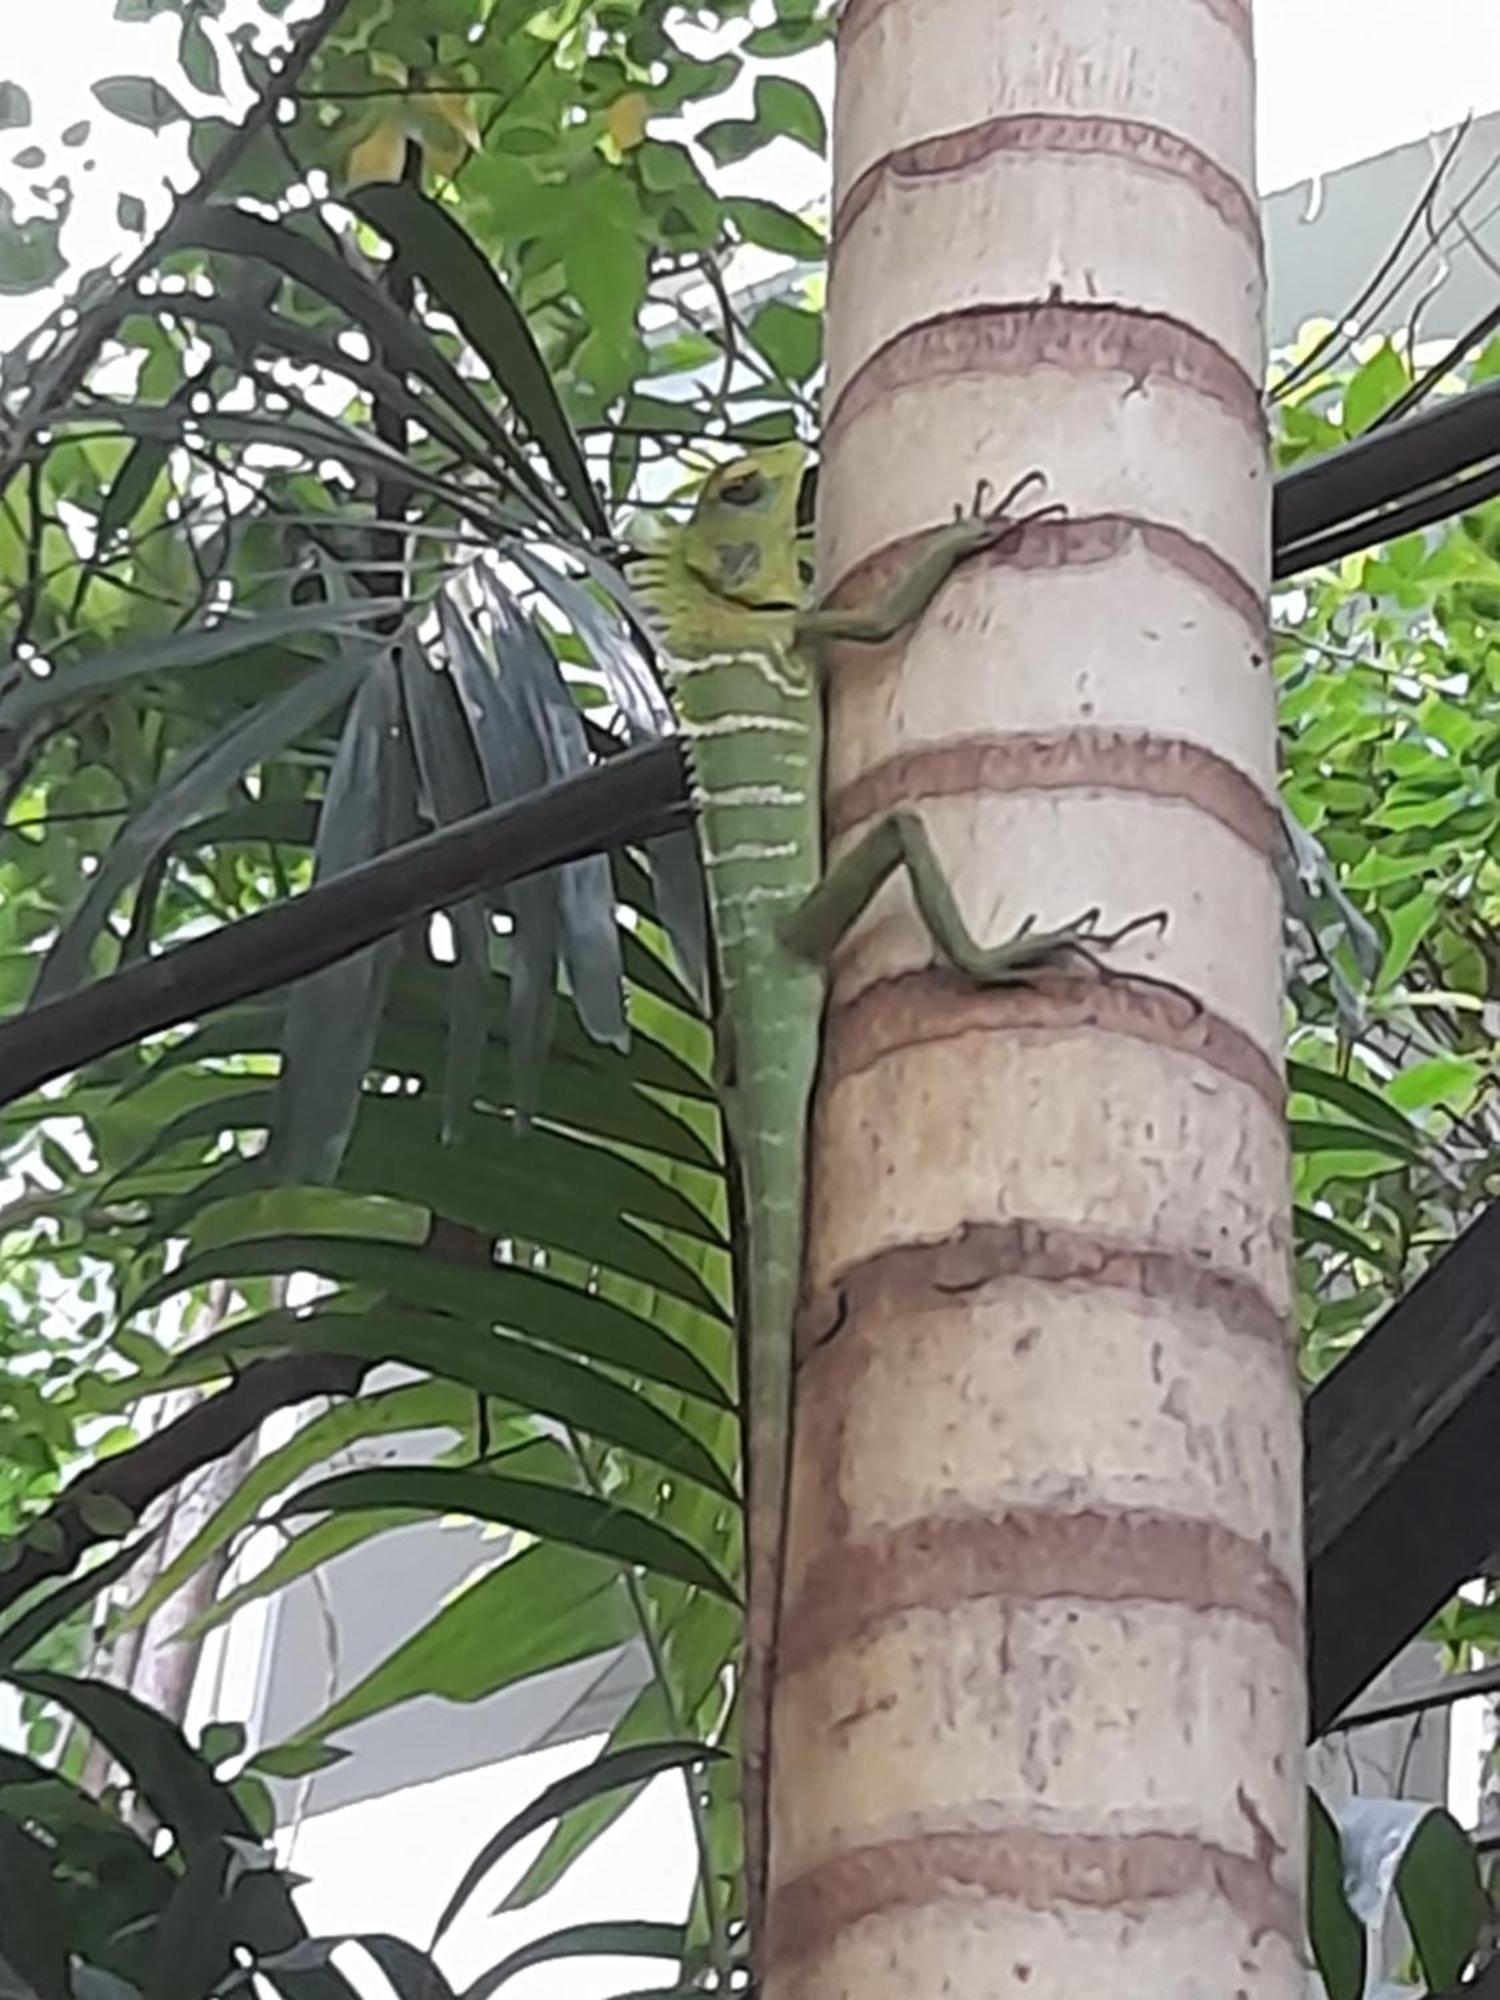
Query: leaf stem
x=719 y=1946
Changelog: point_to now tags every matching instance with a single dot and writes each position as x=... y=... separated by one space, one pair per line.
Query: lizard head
x=741 y=541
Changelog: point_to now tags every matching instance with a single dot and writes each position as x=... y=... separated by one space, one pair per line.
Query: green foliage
x=322 y=559
x=15 y=107
x=616 y=1771
x=164 y=1890
x=335 y=570
x=139 y=100
x=1373 y=1855
x=1389 y=689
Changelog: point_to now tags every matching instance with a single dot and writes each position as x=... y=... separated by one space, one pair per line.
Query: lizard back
x=726 y=594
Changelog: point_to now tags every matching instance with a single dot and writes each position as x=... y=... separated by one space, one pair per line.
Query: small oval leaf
x=139 y=100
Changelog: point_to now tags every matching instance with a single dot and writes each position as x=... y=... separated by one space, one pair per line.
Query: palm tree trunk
x=1039 y=1718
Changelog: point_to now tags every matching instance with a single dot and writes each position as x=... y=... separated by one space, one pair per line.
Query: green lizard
x=741 y=659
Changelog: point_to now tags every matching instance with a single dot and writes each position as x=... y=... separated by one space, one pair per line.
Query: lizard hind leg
x=900 y=840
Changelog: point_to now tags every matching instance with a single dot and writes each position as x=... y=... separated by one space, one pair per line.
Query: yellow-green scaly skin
x=727 y=593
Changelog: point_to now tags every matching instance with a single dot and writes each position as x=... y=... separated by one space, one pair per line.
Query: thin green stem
x=718 y=1935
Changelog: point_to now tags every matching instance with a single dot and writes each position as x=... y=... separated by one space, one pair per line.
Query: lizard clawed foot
x=1005 y=504
x=1107 y=940
x=1083 y=939
x=984 y=507
x=990 y=522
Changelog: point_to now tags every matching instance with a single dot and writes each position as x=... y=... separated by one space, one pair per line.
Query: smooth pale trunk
x=1039 y=1716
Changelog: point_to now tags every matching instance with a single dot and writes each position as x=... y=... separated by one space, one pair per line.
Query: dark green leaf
x=1313 y=1135
x=1336 y=1935
x=729 y=140
x=612 y=1772
x=314 y=438
x=139 y=100
x=646 y=1720
x=791 y=108
x=504 y=1296
x=788 y=38
x=130 y=213
x=30 y=254
x=175 y=1782
x=28 y=695
x=540 y=1610
x=333 y=1017
x=254 y=1798
x=220 y=1741
x=677 y=871
x=91 y=1982
x=412 y=1975
x=590 y=940
x=1441 y=1898
x=403 y=343
x=92 y=1836
x=39 y=1619
x=551 y=1513
x=192 y=1948
x=631 y=1937
x=15 y=107
x=198 y=57
x=143 y=466
x=497 y=1365
x=297 y=1760
x=470 y=289
x=104 y=1516
x=775 y=228
x=451 y=787
x=1334 y=1235
x=546 y=1188
x=33 y=1936
x=1358 y=1100
x=790 y=338
x=674 y=857
x=198 y=779
x=468 y=1018
x=513 y=760
x=583 y=1086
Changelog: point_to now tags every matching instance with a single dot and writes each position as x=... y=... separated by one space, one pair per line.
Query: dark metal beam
x=1402 y=1445
x=626 y=798
x=1349 y=494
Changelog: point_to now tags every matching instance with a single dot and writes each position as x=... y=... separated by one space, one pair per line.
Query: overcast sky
x=1339 y=80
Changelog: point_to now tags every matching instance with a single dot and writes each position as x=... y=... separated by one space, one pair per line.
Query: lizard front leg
x=901 y=841
x=937 y=555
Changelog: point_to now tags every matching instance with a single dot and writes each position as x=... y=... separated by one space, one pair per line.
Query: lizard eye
x=743 y=491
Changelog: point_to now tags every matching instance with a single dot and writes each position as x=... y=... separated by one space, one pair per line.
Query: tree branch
x=200 y=1436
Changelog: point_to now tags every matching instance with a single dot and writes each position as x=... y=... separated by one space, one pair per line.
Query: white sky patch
x=56 y=53
x=1339 y=80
